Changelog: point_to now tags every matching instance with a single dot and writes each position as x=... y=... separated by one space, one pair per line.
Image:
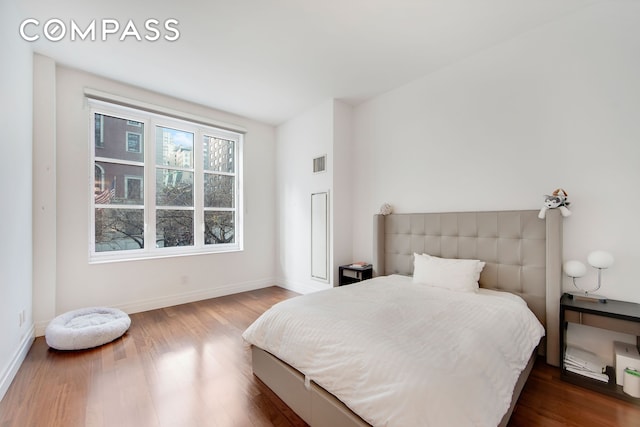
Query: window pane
x=218 y=191
x=117 y=139
x=174 y=188
x=174 y=228
x=174 y=147
x=219 y=227
x=118 y=184
x=119 y=229
x=219 y=155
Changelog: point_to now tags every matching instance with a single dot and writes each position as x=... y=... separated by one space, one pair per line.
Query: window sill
x=105 y=258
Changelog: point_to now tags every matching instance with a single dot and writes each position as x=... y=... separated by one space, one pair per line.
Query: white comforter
x=404 y=354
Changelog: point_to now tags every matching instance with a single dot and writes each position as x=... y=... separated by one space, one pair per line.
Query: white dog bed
x=86 y=328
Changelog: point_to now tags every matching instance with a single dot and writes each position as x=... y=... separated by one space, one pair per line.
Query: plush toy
x=558 y=200
x=385 y=209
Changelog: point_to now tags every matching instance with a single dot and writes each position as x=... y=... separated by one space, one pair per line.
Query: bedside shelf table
x=612 y=315
x=348 y=274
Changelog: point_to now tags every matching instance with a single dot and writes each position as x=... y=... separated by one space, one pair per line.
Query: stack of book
x=360 y=264
x=585 y=363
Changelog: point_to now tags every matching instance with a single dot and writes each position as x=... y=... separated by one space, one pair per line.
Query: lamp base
x=582 y=296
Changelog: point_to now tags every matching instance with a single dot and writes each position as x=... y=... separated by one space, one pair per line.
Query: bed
x=521 y=256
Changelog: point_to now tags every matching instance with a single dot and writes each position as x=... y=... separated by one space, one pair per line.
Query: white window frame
x=151 y=121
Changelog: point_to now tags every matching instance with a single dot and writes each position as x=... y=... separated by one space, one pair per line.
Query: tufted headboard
x=523 y=254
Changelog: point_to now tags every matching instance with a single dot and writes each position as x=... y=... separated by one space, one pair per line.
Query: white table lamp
x=575 y=269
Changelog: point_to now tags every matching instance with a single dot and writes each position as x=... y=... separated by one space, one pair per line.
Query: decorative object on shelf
x=385 y=209
x=574 y=269
x=627 y=356
x=558 y=200
x=631 y=382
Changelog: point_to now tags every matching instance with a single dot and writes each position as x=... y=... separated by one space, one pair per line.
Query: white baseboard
x=301 y=288
x=177 y=299
x=199 y=295
x=16 y=361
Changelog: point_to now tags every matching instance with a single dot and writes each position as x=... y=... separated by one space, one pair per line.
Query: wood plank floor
x=188 y=366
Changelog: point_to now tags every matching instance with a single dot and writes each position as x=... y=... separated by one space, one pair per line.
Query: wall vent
x=319 y=164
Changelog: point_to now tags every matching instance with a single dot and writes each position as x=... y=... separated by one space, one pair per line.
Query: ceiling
x=272 y=59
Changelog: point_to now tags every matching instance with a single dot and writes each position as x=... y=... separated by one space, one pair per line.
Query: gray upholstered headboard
x=523 y=253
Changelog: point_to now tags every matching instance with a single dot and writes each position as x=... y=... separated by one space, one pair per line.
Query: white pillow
x=455 y=274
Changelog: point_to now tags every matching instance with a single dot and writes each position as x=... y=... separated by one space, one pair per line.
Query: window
x=219 y=194
x=99 y=178
x=99 y=136
x=172 y=188
x=133 y=187
x=134 y=142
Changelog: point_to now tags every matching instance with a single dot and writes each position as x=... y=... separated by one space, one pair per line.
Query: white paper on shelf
x=584 y=359
x=568 y=362
x=593 y=375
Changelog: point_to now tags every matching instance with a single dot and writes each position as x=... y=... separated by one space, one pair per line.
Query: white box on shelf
x=627 y=356
x=631 y=382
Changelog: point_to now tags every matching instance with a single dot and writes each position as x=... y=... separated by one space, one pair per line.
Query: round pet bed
x=86 y=328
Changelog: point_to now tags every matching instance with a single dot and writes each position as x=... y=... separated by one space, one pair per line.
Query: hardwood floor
x=188 y=366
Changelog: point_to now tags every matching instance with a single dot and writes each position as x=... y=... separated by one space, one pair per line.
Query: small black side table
x=613 y=315
x=348 y=274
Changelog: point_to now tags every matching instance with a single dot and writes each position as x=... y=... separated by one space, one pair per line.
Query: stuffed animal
x=558 y=200
x=385 y=209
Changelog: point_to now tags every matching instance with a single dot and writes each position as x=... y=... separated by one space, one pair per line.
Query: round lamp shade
x=600 y=259
x=575 y=269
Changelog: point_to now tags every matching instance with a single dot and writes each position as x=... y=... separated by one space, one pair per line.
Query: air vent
x=319 y=164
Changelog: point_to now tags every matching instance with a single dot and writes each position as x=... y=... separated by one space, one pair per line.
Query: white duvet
x=405 y=354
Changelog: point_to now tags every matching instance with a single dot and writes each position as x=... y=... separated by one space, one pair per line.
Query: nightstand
x=347 y=274
x=612 y=315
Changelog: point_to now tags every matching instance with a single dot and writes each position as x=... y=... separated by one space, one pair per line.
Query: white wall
x=299 y=141
x=44 y=188
x=324 y=129
x=342 y=187
x=142 y=285
x=15 y=196
x=556 y=107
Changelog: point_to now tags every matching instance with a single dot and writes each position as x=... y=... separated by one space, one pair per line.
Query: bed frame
x=523 y=255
